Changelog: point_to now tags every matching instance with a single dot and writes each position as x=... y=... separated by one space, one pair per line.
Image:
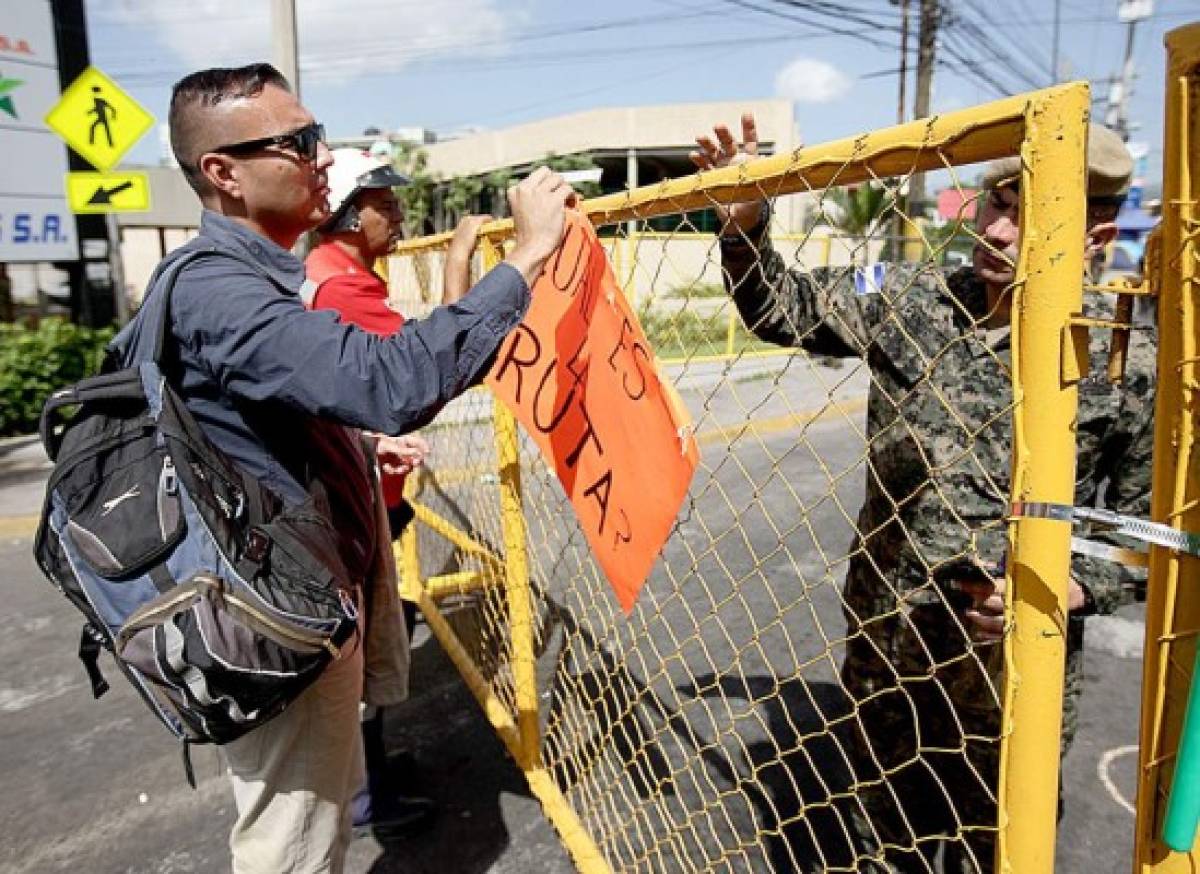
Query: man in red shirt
x=364 y=224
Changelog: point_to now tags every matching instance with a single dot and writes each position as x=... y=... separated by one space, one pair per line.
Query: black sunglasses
x=303 y=142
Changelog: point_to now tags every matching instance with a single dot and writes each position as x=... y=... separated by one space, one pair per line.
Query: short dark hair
x=204 y=90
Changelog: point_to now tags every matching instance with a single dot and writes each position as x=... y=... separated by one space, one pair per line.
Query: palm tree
x=860 y=208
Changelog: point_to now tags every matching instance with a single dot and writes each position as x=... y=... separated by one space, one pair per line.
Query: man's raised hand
x=539 y=203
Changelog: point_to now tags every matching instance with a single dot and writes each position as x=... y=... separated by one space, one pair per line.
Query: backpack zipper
x=159 y=610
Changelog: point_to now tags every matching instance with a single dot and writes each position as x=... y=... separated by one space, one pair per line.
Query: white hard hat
x=352 y=171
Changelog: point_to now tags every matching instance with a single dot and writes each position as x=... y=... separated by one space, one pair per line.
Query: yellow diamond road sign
x=98 y=120
x=108 y=192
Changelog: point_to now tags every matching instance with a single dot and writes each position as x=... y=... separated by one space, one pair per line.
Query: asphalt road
x=668 y=720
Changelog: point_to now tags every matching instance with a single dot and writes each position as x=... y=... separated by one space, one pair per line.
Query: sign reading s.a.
x=31 y=229
x=35 y=223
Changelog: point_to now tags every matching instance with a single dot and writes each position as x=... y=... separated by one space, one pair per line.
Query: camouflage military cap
x=1109 y=164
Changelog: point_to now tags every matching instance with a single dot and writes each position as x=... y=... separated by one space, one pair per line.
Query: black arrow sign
x=105 y=195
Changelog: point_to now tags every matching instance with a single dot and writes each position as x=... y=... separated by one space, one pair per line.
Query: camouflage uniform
x=927 y=698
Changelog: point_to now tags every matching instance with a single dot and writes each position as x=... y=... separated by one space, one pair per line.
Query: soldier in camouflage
x=923 y=592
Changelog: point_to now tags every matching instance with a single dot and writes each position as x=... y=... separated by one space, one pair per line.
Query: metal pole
x=902 y=103
x=1048 y=289
x=901 y=208
x=1172 y=601
x=967 y=136
x=516 y=567
x=284 y=51
x=118 y=270
x=631 y=226
x=1054 y=48
x=1117 y=116
x=926 y=48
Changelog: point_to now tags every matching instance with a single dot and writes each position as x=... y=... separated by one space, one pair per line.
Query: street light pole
x=1117 y=117
x=1054 y=50
x=284 y=52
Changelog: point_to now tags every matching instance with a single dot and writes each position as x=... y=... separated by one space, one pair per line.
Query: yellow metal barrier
x=1173 y=601
x=711 y=729
x=1052 y=255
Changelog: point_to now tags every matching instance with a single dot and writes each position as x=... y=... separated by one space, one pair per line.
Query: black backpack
x=218 y=603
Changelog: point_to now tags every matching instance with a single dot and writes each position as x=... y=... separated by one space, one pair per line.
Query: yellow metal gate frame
x=1047 y=129
x=1173 y=601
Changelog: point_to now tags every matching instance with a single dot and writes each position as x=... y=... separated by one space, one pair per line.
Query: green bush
x=697 y=290
x=37 y=361
x=686 y=333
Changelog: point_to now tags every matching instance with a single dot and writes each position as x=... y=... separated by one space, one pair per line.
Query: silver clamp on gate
x=1114 y=523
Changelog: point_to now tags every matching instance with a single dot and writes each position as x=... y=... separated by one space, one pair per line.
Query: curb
x=18 y=527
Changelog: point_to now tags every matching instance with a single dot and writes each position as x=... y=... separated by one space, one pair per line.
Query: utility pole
x=903 y=99
x=1117 y=117
x=931 y=14
x=900 y=209
x=1054 y=48
x=283 y=42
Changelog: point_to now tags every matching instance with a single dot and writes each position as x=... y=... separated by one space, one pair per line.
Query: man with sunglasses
x=275 y=386
x=923 y=595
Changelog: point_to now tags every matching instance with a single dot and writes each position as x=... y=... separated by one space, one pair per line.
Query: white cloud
x=807 y=80
x=339 y=39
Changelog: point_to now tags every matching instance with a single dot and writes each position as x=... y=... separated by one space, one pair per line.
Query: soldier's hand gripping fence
x=801 y=686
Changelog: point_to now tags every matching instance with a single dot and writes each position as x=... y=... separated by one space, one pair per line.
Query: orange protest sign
x=579 y=374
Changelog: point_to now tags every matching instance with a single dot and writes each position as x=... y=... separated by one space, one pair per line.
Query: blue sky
x=451 y=64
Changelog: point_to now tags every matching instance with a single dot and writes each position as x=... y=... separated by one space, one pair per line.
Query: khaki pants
x=293 y=778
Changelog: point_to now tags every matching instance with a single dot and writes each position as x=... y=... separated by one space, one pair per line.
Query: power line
x=640 y=77
x=1024 y=51
x=996 y=62
x=422 y=50
x=842 y=12
x=952 y=46
x=1110 y=21
x=895 y=71
x=1027 y=15
x=794 y=17
x=983 y=44
x=559 y=58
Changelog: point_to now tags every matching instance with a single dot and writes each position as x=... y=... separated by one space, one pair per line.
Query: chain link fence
x=799 y=686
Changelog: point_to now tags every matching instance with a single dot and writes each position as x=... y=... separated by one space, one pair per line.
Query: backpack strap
x=188 y=771
x=162 y=324
x=158 y=294
x=115 y=380
x=118 y=385
x=90 y=642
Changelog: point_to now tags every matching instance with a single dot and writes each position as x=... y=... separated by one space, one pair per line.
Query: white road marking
x=1102 y=768
x=15 y=700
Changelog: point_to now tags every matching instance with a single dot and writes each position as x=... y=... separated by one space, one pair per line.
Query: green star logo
x=7 y=86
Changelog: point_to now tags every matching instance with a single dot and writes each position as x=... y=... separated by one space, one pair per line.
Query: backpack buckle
x=257 y=545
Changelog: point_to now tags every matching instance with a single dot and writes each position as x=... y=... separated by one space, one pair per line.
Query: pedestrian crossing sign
x=108 y=192
x=98 y=120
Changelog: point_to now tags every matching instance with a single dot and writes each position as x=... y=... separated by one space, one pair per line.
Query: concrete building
x=633 y=146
